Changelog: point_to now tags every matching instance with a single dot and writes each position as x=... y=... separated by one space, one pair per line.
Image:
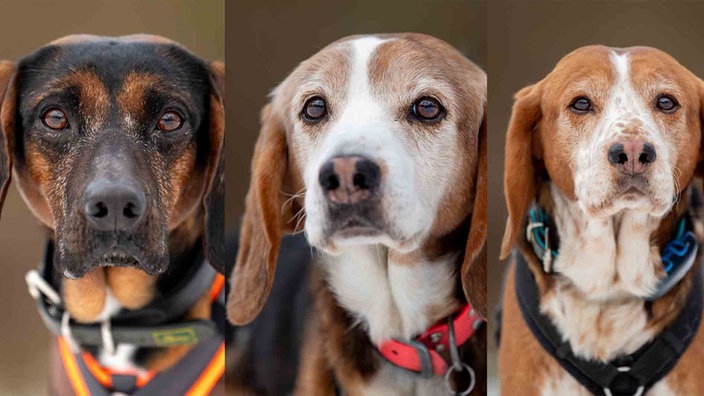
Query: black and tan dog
x=115 y=146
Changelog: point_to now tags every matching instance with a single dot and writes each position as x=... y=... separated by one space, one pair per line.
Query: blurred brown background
x=25 y=26
x=527 y=38
x=269 y=38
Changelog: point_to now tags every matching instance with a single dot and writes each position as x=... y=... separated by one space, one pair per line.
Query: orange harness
x=195 y=375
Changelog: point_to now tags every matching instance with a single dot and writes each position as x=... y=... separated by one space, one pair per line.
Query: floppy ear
x=519 y=172
x=214 y=197
x=263 y=222
x=700 y=162
x=7 y=119
x=474 y=264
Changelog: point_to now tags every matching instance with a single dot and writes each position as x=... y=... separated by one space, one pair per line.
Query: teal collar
x=678 y=256
x=538 y=233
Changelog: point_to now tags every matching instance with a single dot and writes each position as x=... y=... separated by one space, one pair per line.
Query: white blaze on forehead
x=361 y=111
x=622 y=66
x=623 y=103
x=625 y=107
x=363 y=50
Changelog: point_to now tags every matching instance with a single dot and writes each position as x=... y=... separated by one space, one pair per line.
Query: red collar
x=421 y=354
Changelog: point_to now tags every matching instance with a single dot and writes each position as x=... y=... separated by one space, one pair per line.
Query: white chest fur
x=392 y=300
x=608 y=264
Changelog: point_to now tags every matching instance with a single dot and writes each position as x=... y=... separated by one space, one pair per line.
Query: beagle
x=376 y=148
x=603 y=294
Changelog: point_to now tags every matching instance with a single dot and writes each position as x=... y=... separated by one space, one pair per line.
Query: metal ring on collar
x=639 y=391
x=472 y=380
x=625 y=369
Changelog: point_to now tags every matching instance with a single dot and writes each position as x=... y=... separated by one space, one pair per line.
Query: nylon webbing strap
x=628 y=375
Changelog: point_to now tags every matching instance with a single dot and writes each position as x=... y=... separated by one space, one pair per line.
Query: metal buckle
x=529 y=230
x=106 y=336
x=39 y=287
x=66 y=333
x=457 y=365
x=426 y=363
x=547 y=255
x=625 y=369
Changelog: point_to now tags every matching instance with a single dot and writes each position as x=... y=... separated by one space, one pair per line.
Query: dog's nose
x=113 y=206
x=632 y=156
x=349 y=179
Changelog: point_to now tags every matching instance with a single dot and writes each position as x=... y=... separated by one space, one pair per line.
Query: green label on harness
x=185 y=335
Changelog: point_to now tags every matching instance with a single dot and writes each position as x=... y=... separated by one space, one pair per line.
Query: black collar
x=628 y=375
x=159 y=324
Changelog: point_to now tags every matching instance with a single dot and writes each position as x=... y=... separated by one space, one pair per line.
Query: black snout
x=113 y=206
x=349 y=179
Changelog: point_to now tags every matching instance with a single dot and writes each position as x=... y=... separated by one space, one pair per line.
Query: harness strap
x=194 y=375
x=421 y=355
x=629 y=375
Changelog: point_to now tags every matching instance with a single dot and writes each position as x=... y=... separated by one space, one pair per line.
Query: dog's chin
x=627 y=198
x=117 y=258
x=341 y=239
x=75 y=266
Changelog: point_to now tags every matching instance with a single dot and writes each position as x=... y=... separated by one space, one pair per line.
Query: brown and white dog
x=376 y=148
x=608 y=144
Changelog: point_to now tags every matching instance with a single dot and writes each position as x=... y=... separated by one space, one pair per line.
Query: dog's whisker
x=300 y=194
x=302 y=217
x=296 y=215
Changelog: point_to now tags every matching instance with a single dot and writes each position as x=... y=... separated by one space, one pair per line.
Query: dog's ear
x=7 y=120
x=699 y=171
x=214 y=196
x=474 y=265
x=263 y=223
x=519 y=172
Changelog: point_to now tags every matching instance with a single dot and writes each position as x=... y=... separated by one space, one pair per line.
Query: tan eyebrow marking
x=94 y=98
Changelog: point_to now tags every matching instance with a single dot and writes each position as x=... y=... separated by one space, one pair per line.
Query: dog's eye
x=581 y=105
x=427 y=109
x=666 y=104
x=55 y=119
x=169 y=121
x=314 y=110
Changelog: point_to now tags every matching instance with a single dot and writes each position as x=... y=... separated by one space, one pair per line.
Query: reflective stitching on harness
x=71 y=367
x=218 y=285
x=104 y=375
x=210 y=376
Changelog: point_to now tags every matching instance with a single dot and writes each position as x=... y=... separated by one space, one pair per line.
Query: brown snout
x=632 y=156
x=349 y=180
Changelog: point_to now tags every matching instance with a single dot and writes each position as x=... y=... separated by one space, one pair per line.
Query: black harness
x=633 y=374
x=159 y=324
